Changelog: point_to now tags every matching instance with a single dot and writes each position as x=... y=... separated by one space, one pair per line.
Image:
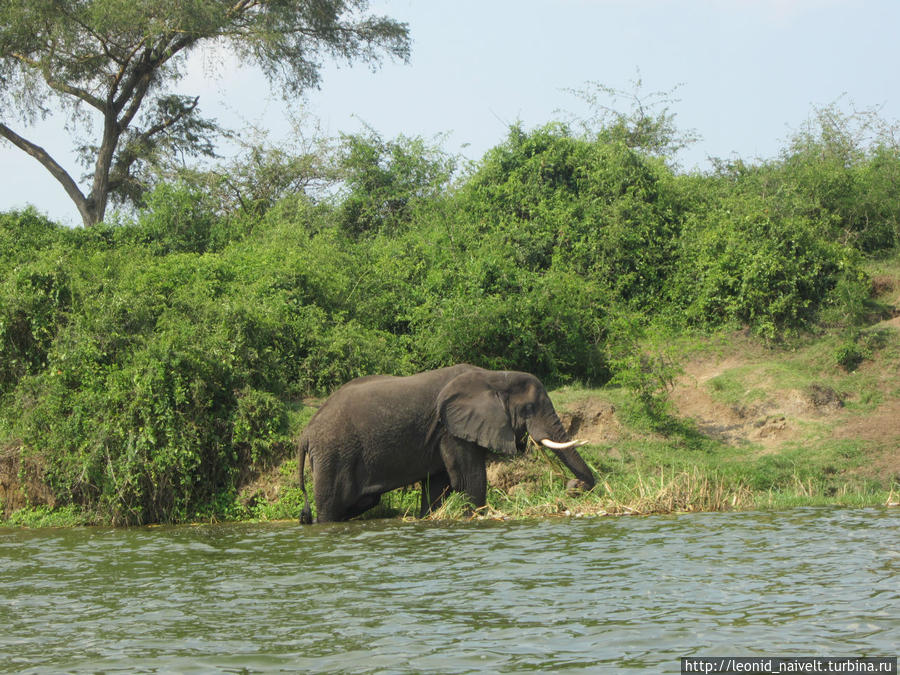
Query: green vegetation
x=156 y=367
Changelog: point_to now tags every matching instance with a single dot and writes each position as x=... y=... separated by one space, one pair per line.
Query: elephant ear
x=474 y=411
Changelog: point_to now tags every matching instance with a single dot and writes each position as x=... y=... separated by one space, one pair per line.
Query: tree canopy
x=119 y=59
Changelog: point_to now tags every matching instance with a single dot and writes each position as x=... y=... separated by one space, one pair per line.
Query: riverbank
x=156 y=369
x=747 y=426
x=742 y=425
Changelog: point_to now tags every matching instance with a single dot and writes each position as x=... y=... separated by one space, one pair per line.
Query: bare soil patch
x=591 y=419
x=774 y=416
x=764 y=421
x=881 y=429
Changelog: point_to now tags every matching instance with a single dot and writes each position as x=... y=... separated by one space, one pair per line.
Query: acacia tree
x=119 y=58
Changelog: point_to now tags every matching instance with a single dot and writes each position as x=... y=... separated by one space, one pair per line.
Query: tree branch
x=242 y=6
x=125 y=86
x=77 y=92
x=137 y=93
x=61 y=87
x=53 y=167
x=119 y=171
x=165 y=124
x=138 y=83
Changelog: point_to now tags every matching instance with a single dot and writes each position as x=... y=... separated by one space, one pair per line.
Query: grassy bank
x=744 y=425
x=739 y=424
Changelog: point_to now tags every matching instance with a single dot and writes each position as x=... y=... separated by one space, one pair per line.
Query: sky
x=746 y=75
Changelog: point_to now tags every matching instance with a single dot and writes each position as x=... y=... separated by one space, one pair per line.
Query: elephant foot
x=575 y=487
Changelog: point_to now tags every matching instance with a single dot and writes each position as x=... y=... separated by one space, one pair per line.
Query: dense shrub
x=744 y=260
x=36 y=297
x=177 y=218
x=24 y=235
x=601 y=209
x=845 y=169
x=386 y=182
x=552 y=325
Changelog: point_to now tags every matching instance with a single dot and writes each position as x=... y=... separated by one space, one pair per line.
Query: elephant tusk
x=553 y=445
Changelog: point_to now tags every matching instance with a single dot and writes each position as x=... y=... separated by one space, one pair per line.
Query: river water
x=598 y=595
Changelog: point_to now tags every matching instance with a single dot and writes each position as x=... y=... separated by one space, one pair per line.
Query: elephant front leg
x=466 y=468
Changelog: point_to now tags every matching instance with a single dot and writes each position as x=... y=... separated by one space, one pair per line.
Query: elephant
x=381 y=432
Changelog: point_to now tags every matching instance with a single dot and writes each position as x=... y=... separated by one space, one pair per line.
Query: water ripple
x=587 y=595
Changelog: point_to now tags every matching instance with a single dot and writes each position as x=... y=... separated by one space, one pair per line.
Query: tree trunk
x=82 y=203
x=92 y=208
x=99 y=196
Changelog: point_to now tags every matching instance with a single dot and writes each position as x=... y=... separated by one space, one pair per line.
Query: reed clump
x=640 y=494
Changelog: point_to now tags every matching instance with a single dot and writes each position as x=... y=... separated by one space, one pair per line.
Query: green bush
x=177 y=218
x=24 y=235
x=35 y=299
x=845 y=167
x=385 y=182
x=595 y=207
x=743 y=260
x=258 y=427
x=849 y=355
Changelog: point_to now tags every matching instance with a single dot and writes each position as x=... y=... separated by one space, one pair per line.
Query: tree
x=118 y=57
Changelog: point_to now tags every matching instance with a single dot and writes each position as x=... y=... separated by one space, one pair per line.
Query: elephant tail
x=302 y=449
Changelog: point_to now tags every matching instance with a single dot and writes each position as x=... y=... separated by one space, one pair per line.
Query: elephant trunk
x=552 y=435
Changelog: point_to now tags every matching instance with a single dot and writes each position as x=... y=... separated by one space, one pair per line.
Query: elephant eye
x=528 y=409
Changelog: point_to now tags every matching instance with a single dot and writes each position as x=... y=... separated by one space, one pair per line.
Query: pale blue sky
x=750 y=73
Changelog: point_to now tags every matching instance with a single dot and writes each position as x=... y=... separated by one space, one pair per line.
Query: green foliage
x=142 y=435
x=747 y=258
x=153 y=366
x=177 y=218
x=859 y=345
x=385 y=182
x=845 y=168
x=849 y=355
x=599 y=209
x=248 y=186
x=24 y=235
x=645 y=367
x=552 y=326
x=648 y=126
x=43 y=516
x=34 y=301
x=258 y=427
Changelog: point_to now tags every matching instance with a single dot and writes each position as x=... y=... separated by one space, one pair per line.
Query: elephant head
x=499 y=410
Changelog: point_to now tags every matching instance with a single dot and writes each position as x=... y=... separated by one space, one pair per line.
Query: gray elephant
x=378 y=433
